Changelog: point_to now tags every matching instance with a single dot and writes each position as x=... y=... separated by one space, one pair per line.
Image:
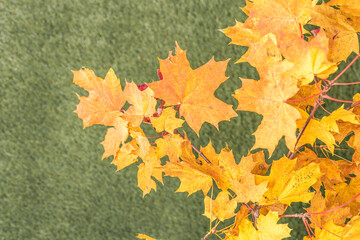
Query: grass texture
x=53 y=183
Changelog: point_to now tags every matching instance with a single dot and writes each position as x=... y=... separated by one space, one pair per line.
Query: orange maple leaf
x=105 y=99
x=193 y=89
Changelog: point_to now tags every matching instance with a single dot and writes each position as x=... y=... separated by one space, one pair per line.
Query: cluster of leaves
x=294 y=65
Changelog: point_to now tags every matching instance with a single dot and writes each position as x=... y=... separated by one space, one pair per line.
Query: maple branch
x=352 y=83
x=213 y=231
x=337 y=100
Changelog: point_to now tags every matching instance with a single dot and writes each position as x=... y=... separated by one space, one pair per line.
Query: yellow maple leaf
x=221 y=208
x=340 y=28
x=126 y=155
x=314 y=130
x=310 y=58
x=268 y=229
x=150 y=167
x=267 y=97
x=169 y=145
x=167 y=121
x=114 y=137
x=287 y=185
x=145 y=237
x=330 y=122
x=143 y=103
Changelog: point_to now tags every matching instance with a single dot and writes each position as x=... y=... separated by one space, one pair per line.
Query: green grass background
x=53 y=183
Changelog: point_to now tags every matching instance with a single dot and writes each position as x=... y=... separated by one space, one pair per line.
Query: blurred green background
x=54 y=184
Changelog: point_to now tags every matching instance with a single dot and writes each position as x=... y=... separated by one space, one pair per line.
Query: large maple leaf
x=193 y=89
x=267 y=97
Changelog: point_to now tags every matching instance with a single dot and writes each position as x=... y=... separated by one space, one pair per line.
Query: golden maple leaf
x=193 y=89
x=267 y=97
x=105 y=99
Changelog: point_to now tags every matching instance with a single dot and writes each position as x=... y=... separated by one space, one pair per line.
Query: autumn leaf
x=340 y=28
x=143 y=103
x=330 y=122
x=320 y=204
x=193 y=89
x=149 y=168
x=274 y=16
x=145 y=237
x=314 y=130
x=344 y=192
x=105 y=99
x=167 y=121
x=169 y=145
x=330 y=169
x=244 y=183
x=348 y=6
x=267 y=97
x=268 y=229
x=305 y=92
x=221 y=208
x=310 y=58
x=287 y=185
x=331 y=231
x=195 y=173
x=126 y=155
x=114 y=137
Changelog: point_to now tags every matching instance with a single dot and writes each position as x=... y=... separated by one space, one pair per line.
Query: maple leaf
x=330 y=122
x=126 y=155
x=105 y=99
x=314 y=130
x=348 y=6
x=167 y=121
x=328 y=231
x=150 y=167
x=287 y=185
x=267 y=97
x=305 y=91
x=142 y=101
x=330 y=168
x=321 y=204
x=310 y=58
x=243 y=175
x=267 y=229
x=343 y=192
x=114 y=137
x=197 y=174
x=279 y=15
x=193 y=89
x=221 y=208
x=262 y=54
x=169 y=145
x=350 y=232
x=340 y=28
x=145 y=237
